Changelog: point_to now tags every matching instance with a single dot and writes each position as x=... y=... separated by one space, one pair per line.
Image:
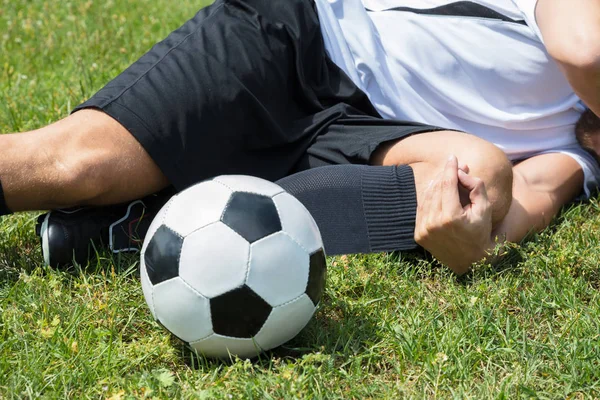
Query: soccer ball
x=233 y=266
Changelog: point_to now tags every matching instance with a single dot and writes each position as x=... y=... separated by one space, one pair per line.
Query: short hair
x=587 y=127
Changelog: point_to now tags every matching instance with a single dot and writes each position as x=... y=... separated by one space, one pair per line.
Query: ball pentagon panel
x=239 y=313
x=317 y=276
x=181 y=310
x=279 y=269
x=251 y=184
x=214 y=260
x=297 y=222
x=161 y=256
x=251 y=215
x=197 y=206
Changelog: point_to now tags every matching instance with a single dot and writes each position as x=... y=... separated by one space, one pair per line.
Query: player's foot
x=75 y=234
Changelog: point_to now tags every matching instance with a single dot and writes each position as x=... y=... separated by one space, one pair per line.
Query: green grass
x=389 y=326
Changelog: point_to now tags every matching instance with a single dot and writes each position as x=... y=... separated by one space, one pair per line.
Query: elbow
x=586 y=60
x=580 y=50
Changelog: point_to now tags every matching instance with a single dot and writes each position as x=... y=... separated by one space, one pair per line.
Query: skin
x=87 y=158
x=571 y=33
x=506 y=202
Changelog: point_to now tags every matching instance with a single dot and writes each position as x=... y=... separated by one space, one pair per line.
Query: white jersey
x=476 y=66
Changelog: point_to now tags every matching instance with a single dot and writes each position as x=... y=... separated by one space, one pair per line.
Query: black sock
x=359 y=208
x=3 y=208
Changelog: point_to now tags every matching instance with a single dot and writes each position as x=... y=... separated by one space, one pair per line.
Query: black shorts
x=246 y=87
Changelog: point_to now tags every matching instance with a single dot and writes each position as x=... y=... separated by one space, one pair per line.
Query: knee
x=97 y=161
x=83 y=176
x=489 y=163
x=495 y=170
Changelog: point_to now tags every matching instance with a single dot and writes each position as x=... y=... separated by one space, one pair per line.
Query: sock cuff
x=390 y=203
x=3 y=207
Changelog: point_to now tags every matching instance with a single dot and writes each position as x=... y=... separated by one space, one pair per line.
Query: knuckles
x=448 y=183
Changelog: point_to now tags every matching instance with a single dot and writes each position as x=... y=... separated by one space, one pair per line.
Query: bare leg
x=87 y=158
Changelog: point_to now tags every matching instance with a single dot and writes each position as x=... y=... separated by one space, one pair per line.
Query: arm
x=541 y=186
x=571 y=32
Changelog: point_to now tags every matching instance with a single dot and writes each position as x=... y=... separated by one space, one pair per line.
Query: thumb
x=467 y=181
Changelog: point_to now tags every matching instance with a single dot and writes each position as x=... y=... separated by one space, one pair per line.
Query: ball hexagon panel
x=285 y=322
x=239 y=313
x=297 y=222
x=197 y=206
x=218 y=346
x=162 y=255
x=182 y=311
x=214 y=260
x=251 y=184
x=317 y=276
x=278 y=270
x=147 y=287
x=251 y=215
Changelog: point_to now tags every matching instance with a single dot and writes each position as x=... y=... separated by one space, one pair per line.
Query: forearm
x=525 y=219
x=542 y=185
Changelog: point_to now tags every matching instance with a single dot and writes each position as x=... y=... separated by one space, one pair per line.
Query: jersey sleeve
x=527 y=7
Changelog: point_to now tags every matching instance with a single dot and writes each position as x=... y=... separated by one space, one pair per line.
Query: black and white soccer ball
x=234 y=265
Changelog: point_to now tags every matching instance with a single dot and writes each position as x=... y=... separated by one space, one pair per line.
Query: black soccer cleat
x=74 y=235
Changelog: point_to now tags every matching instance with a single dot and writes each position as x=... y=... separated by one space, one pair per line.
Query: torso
x=481 y=69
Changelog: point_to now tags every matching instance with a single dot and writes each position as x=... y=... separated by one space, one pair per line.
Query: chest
x=500 y=61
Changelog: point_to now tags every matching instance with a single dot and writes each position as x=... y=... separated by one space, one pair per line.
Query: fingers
x=477 y=191
x=468 y=181
x=449 y=196
x=440 y=206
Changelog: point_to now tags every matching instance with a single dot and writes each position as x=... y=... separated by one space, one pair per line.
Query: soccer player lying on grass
x=275 y=89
